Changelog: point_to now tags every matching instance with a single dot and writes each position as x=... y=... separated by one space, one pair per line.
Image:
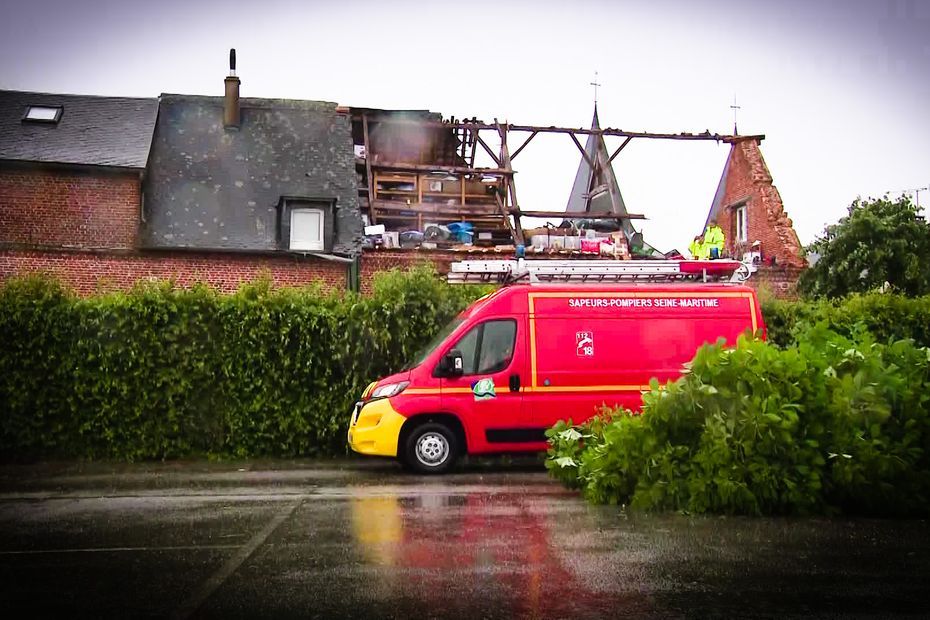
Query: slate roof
x=95 y=131
x=717 y=203
x=606 y=182
x=209 y=187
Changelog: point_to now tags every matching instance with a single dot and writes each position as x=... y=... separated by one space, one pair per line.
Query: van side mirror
x=452 y=364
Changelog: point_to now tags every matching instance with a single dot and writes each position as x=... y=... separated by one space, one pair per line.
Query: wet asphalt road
x=360 y=539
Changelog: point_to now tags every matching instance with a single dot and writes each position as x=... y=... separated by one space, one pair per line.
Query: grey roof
x=598 y=193
x=209 y=187
x=717 y=203
x=96 y=131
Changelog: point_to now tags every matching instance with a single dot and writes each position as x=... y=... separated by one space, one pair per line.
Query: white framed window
x=42 y=113
x=741 y=224
x=307 y=230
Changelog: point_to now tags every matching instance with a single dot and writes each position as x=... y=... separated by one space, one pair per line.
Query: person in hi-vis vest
x=697 y=248
x=713 y=239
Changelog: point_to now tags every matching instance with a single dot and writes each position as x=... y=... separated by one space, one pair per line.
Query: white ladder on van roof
x=597 y=271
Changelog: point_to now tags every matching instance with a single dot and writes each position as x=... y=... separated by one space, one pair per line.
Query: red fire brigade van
x=561 y=346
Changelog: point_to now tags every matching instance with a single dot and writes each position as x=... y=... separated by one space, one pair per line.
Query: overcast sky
x=840 y=88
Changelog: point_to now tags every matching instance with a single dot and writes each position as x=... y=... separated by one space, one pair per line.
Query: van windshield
x=423 y=353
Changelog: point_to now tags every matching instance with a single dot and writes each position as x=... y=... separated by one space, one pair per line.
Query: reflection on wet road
x=491 y=551
x=366 y=541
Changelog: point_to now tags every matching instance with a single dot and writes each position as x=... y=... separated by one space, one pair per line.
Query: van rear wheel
x=431 y=448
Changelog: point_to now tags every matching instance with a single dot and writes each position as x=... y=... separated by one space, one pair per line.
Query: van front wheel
x=431 y=448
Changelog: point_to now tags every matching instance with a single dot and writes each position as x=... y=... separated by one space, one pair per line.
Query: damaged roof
x=90 y=130
x=598 y=193
x=212 y=187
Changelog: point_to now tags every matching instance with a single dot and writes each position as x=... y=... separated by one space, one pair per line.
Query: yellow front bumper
x=376 y=429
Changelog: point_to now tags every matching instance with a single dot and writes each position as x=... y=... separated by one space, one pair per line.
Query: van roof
x=512 y=298
x=598 y=271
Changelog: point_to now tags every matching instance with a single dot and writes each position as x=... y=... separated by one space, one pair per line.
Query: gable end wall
x=748 y=179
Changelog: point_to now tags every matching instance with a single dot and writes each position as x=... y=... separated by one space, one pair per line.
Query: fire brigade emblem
x=584 y=344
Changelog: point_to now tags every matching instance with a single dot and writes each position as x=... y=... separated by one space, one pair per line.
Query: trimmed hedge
x=885 y=316
x=163 y=372
x=831 y=424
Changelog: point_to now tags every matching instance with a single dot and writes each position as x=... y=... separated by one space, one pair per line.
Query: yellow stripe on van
x=454 y=390
x=535 y=387
x=531 y=297
x=368 y=389
x=532 y=317
x=591 y=388
x=550 y=388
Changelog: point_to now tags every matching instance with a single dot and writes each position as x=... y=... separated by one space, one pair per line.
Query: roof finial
x=595 y=85
x=735 y=108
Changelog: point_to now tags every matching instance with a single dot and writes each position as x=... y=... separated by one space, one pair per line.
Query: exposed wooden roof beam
x=522 y=146
x=620 y=148
x=706 y=135
x=438 y=208
x=579 y=216
x=380 y=166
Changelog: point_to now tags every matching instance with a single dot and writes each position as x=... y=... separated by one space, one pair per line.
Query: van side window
x=468 y=345
x=496 y=346
x=488 y=348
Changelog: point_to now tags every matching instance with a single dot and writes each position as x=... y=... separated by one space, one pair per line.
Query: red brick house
x=70 y=179
x=749 y=209
x=77 y=197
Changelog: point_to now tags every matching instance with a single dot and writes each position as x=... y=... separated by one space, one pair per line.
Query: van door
x=488 y=396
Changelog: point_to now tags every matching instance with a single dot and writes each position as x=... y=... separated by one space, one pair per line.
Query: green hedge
x=163 y=372
x=828 y=425
x=885 y=316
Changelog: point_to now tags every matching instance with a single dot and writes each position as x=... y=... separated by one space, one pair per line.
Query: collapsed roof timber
x=419 y=176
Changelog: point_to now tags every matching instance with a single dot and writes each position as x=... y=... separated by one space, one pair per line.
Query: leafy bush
x=880 y=241
x=37 y=331
x=885 y=316
x=831 y=424
x=163 y=372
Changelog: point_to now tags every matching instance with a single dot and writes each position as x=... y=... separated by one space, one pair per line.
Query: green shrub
x=144 y=373
x=830 y=424
x=886 y=316
x=163 y=372
x=36 y=331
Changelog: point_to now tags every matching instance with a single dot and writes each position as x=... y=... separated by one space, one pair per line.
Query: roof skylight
x=43 y=113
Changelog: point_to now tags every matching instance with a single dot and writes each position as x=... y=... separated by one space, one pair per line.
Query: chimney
x=231 y=101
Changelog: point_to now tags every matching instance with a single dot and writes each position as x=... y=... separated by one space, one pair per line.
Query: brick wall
x=90 y=272
x=750 y=182
x=66 y=208
x=780 y=281
x=376 y=261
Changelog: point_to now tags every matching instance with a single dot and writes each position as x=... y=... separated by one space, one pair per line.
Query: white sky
x=840 y=88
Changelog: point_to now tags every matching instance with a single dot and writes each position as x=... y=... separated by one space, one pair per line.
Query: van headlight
x=389 y=390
